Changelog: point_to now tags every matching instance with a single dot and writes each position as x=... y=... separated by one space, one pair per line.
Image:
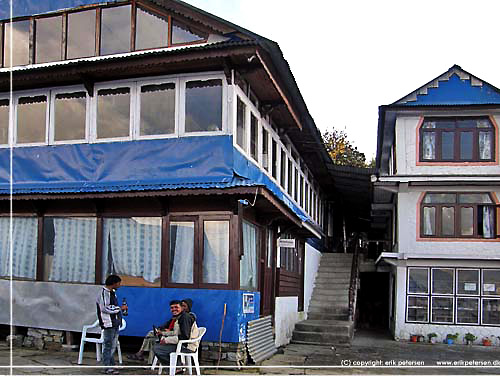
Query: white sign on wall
x=286 y=243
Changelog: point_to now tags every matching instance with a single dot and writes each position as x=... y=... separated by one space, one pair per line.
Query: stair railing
x=353 y=286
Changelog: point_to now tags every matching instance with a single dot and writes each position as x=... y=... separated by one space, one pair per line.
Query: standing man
x=110 y=319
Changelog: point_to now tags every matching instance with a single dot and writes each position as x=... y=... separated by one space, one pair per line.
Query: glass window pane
x=301 y=195
x=204 y=106
x=475 y=198
x=467 y=310
x=440 y=198
x=283 y=168
x=442 y=281
x=115 y=30
x=447 y=145
x=48 y=39
x=151 y=30
x=274 y=156
x=445 y=123
x=429 y=224
x=131 y=248
x=428 y=124
x=448 y=221
x=466 y=123
x=491 y=312
x=4 y=121
x=467 y=221
x=265 y=149
x=20 y=43
x=491 y=282
x=483 y=123
x=418 y=281
x=248 y=262
x=442 y=309
x=31 y=119
x=241 y=134
x=290 y=177
x=69 y=119
x=69 y=248
x=467 y=282
x=182 y=34
x=113 y=113
x=254 y=136
x=81 y=34
x=181 y=252
x=485 y=145
x=429 y=145
x=418 y=309
x=216 y=252
x=466 y=140
x=157 y=109
x=296 y=185
x=24 y=240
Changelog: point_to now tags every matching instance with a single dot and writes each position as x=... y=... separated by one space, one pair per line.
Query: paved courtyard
x=369 y=354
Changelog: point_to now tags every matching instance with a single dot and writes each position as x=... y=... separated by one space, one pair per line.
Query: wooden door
x=267 y=262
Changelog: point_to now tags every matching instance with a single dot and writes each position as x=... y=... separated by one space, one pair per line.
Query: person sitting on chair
x=184 y=328
x=187 y=305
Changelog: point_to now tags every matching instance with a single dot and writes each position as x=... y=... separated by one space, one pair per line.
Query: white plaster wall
x=285 y=318
x=408 y=230
x=313 y=257
x=403 y=330
x=406 y=153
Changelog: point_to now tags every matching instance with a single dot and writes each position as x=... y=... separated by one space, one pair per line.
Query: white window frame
x=15 y=100
x=255 y=114
x=9 y=124
x=478 y=299
x=452 y=293
x=113 y=85
x=182 y=104
x=68 y=90
x=237 y=96
x=481 y=309
x=137 y=112
x=408 y=281
x=461 y=294
x=408 y=307
x=482 y=283
x=452 y=298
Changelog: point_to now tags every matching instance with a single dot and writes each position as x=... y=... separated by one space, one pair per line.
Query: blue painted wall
x=148 y=306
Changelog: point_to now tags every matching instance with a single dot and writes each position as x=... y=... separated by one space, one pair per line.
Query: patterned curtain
x=429 y=145
x=24 y=236
x=182 y=251
x=216 y=252
x=74 y=250
x=485 y=145
x=248 y=262
x=488 y=221
x=132 y=246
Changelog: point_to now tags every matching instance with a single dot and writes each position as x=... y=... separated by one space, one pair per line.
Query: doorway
x=372 y=306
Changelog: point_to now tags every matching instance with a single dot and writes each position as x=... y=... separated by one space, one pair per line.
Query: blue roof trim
x=456 y=91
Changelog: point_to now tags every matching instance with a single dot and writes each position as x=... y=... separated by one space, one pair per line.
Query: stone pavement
x=368 y=349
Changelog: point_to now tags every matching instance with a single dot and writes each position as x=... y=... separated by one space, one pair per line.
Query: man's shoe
x=111 y=371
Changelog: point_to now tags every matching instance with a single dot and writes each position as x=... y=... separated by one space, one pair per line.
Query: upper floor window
x=457 y=139
x=49 y=33
x=19 y=50
x=458 y=215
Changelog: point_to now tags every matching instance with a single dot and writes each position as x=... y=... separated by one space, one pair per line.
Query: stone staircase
x=328 y=322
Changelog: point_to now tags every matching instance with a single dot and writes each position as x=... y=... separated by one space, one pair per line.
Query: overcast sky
x=348 y=57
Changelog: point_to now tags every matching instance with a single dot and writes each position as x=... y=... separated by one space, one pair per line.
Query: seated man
x=184 y=328
x=150 y=339
x=187 y=306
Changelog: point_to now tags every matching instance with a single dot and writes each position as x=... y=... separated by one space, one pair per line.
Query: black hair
x=112 y=279
x=175 y=301
x=189 y=303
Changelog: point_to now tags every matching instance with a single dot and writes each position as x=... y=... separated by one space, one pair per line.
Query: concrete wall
x=285 y=318
x=406 y=153
x=313 y=257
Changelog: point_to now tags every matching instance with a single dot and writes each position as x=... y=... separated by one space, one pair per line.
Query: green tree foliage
x=342 y=151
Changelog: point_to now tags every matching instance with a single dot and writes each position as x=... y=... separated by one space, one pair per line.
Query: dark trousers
x=109 y=346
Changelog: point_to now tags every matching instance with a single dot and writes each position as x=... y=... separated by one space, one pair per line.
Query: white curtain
x=248 y=262
x=74 y=250
x=429 y=216
x=25 y=238
x=429 y=145
x=485 y=145
x=182 y=251
x=488 y=221
x=216 y=252
x=135 y=247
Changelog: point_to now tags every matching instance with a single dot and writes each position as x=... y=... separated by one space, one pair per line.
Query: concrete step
x=320 y=338
x=340 y=327
x=336 y=344
x=330 y=301
x=332 y=285
x=333 y=291
x=335 y=255
x=327 y=316
x=333 y=308
x=333 y=274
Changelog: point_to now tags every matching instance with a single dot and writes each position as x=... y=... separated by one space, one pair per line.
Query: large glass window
x=24 y=247
x=81 y=34
x=274 y=159
x=453 y=215
x=491 y=311
x=157 y=109
x=248 y=262
x=457 y=139
x=20 y=47
x=31 y=119
x=468 y=281
x=181 y=251
x=151 y=30
x=203 y=106
x=442 y=309
x=215 y=252
x=418 y=281
x=418 y=309
x=283 y=169
x=443 y=281
x=113 y=113
x=467 y=310
x=69 y=249
x=131 y=248
x=241 y=134
x=254 y=136
x=183 y=34
x=4 y=121
x=48 y=39
x=491 y=282
x=69 y=116
x=115 y=30
x=265 y=149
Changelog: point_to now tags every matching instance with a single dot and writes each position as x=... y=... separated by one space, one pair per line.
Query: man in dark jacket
x=110 y=319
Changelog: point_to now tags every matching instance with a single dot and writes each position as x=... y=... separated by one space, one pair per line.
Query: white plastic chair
x=98 y=341
x=183 y=355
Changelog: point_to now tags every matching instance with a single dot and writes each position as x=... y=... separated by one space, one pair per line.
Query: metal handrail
x=353 y=286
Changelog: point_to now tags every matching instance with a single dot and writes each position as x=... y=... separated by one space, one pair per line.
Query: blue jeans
x=109 y=346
